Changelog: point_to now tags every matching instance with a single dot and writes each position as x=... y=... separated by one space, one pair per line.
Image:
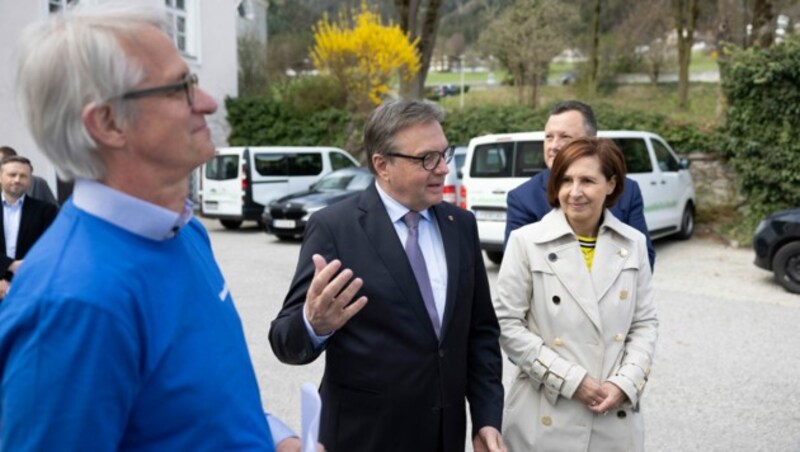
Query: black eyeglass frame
x=446 y=155
x=188 y=85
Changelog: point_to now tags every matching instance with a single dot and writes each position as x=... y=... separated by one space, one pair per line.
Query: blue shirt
x=119 y=333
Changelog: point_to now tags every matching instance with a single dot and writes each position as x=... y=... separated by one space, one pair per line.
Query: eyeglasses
x=430 y=160
x=189 y=85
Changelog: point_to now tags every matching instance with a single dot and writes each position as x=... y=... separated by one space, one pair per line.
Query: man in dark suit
x=24 y=218
x=528 y=202
x=421 y=337
x=38 y=187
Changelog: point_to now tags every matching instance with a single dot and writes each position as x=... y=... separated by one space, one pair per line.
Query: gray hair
x=71 y=60
x=589 y=121
x=392 y=117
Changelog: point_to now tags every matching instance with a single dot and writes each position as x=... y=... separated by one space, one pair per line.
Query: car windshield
x=346 y=181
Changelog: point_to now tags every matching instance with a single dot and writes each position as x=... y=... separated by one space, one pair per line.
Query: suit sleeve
x=636 y=218
x=287 y=335
x=518 y=214
x=485 y=364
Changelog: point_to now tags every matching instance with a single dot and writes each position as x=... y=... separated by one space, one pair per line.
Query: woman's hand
x=614 y=398
x=590 y=392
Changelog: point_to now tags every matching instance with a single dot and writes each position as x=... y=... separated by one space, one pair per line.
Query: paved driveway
x=726 y=363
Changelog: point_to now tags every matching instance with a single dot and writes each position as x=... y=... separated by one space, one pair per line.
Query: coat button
x=623 y=252
x=556 y=299
x=623 y=294
x=441 y=353
x=552 y=257
x=546 y=420
x=622 y=414
x=619 y=337
x=558 y=341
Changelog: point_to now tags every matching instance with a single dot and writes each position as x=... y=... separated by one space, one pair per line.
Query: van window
x=530 y=158
x=271 y=164
x=492 y=160
x=637 y=159
x=666 y=161
x=303 y=164
x=223 y=167
x=308 y=164
x=339 y=161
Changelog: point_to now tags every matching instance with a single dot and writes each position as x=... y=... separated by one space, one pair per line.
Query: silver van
x=239 y=181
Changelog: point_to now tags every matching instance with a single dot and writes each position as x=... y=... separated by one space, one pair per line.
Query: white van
x=496 y=164
x=239 y=181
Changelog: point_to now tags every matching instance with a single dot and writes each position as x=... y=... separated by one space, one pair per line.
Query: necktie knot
x=411 y=219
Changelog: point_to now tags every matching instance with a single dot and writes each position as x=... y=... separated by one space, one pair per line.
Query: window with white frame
x=182 y=15
x=55 y=6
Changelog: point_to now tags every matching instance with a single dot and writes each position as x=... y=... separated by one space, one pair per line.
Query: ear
x=612 y=184
x=379 y=162
x=101 y=124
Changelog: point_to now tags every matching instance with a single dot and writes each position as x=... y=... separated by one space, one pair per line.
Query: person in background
x=575 y=305
x=528 y=202
x=420 y=338
x=38 y=187
x=119 y=331
x=24 y=218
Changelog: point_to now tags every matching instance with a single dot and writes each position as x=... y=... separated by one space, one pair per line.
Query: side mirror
x=684 y=163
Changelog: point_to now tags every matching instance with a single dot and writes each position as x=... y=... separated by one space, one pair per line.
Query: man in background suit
x=24 y=218
x=528 y=202
x=38 y=187
x=421 y=336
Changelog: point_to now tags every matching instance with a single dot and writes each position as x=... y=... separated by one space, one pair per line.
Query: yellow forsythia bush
x=363 y=56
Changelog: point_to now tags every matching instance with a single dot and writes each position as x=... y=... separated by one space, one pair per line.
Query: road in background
x=727 y=361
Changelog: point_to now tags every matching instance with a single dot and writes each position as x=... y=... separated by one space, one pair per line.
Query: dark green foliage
x=308 y=95
x=268 y=122
x=763 y=122
x=461 y=125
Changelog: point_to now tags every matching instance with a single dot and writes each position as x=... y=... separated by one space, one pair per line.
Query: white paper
x=310 y=407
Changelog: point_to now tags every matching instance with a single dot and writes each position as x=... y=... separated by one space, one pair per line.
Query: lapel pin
x=450 y=217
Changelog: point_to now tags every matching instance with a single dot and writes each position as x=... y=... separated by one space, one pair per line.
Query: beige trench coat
x=559 y=322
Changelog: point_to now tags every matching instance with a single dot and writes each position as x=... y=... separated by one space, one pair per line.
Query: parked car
x=240 y=181
x=452 y=183
x=496 y=164
x=287 y=217
x=777 y=246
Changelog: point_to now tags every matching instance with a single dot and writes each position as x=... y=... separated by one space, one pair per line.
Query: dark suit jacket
x=389 y=383
x=35 y=219
x=528 y=204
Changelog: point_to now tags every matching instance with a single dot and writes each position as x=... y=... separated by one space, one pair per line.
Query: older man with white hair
x=119 y=332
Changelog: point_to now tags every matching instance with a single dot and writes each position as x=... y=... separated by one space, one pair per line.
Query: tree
x=526 y=37
x=685 y=12
x=423 y=34
x=642 y=37
x=252 y=67
x=363 y=56
x=594 y=47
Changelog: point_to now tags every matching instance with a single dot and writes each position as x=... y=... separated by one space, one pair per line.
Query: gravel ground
x=723 y=379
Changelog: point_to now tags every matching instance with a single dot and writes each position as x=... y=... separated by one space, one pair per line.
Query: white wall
x=215 y=65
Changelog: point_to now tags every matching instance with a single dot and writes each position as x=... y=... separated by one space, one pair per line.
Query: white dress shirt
x=12 y=214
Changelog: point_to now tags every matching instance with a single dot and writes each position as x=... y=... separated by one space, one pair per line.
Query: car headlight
x=761 y=227
x=310 y=211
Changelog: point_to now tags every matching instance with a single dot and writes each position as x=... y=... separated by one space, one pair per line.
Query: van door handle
x=652 y=182
x=498 y=192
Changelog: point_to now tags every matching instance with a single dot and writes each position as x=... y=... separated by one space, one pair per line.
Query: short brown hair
x=612 y=163
x=16 y=159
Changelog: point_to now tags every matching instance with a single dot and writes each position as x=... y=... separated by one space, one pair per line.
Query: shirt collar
x=396 y=210
x=20 y=201
x=129 y=213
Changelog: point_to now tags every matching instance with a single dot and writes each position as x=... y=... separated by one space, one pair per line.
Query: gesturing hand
x=328 y=305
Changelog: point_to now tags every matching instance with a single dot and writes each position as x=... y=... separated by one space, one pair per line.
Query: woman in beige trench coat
x=579 y=322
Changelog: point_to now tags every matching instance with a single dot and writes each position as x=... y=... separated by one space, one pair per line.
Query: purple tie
x=417 y=261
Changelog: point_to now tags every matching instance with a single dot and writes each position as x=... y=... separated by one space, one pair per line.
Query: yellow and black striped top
x=587 y=248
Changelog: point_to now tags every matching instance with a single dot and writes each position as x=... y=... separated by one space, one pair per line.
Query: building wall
x=215 y=64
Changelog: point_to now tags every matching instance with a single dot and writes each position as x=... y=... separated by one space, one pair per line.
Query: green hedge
x=763 y=123
x=271 y=121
